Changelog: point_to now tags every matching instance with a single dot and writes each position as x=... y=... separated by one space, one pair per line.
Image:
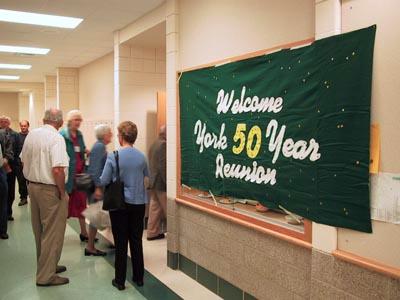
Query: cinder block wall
x=266 y=267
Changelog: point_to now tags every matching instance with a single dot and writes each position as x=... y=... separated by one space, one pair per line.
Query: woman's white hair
x=101 y=130
x=74 y=114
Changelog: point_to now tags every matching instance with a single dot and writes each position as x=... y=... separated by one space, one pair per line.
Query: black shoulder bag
x=114 y=197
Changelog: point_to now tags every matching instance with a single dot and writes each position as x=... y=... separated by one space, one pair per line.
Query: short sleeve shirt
x=43 y=150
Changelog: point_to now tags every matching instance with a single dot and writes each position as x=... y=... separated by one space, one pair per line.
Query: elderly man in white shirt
x=45 y=166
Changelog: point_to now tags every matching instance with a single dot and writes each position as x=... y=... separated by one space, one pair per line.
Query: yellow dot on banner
x=299 y=125
x=332 y=59
x=313 y=179
x=357 y=162
x=338 y=126
x=344 y=209
x=327 y=86
x=289 y=68
x=342 y=109
x=308 y=73
x=342 y=126
x=347 y=58
x=281 y=68
x=319 y=111
x=347 y=213
x=325 y=82
x=353 y=53
x=334 y=175
x=299 y=61
x=304 y=80
x=285 y=91
x=320 y=203
x=289 y=195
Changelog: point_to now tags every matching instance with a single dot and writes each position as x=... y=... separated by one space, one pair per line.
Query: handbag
x=114 y=197
x=97 y=216
x=84 y=183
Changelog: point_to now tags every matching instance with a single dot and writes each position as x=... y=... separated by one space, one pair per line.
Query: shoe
x=61 y=269
x=157 y=237
x=58 y=280
x=83 y=238
x=86 y=239
x=138 y=282
x=10 y=218
x=23 y=202
x=4 y=236
x=97 y=253
x=120 y=287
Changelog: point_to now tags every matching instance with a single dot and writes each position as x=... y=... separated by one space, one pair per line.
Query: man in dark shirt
x=158 y=185
x=6 y=154
x=22 y=187
x=12 y=135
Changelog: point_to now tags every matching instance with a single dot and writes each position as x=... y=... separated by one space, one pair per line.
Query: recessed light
x=9 y=77
x=23 y=50
x=15 y=67
x=38 y=19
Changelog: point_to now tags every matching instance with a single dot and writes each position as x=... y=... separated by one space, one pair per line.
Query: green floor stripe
x=153 y=288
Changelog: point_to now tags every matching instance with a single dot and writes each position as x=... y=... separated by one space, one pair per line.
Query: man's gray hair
x=101 y=130
x=53 y=115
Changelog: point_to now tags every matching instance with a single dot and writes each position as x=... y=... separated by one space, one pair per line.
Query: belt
x=40 y=183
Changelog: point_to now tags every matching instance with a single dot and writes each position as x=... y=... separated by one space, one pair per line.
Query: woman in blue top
x=97 y=160
x=127 y=224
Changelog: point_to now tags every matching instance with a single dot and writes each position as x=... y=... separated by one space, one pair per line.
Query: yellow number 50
x=240 y=136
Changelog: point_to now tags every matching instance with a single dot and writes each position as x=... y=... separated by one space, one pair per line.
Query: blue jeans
x=3 y=201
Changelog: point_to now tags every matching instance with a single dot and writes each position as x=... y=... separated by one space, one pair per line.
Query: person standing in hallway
x=127 y=224
x=97 y=159
x=22 y=187
x=158 y=185
x=6 y=154
x=76 y=150
x=5 y=123
x=45 y=166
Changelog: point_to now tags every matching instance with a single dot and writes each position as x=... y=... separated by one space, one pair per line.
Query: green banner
x=291 y=128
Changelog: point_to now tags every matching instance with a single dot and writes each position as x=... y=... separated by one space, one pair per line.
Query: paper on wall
x=385 y=197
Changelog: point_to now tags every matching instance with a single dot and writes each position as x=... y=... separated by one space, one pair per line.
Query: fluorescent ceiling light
x=38 y=19
x=9 y=77
x=23 y=50
x=15 y=67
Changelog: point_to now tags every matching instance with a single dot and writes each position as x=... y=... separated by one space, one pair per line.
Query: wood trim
x=367 y=263
x=294 y=237
x=251 y=54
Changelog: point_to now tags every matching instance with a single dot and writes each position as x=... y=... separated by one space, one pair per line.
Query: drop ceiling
x=92 y=39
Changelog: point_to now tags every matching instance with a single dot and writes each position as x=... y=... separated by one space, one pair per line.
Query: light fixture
x=38 y=19
x=23 y=50
x=9 y=77
x=15 y=67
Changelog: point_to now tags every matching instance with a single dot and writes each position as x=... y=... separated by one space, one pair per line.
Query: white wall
x=384 y=244
x=142 y=75
x=96 y=92
x=212 y=30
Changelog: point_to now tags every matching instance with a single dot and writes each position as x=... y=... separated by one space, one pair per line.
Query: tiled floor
x=90 y=277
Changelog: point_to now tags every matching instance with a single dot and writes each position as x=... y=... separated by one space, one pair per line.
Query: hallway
x=90 y=277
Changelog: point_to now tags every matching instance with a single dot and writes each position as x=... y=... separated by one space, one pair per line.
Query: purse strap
x=116 y=155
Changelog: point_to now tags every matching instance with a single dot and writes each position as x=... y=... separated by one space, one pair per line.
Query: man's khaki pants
x=49 y=219
x=157 y=212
